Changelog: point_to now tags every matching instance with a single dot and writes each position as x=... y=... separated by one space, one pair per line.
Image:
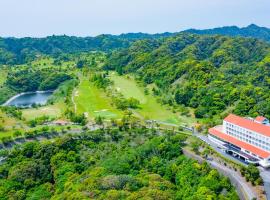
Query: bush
x=6 y=140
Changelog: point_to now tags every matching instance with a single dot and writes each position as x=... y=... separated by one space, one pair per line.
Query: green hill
x=208 y=73
x=252 y=31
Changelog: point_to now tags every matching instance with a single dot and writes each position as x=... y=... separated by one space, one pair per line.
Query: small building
x=245 y=138
x=261 y=120
x=60 y=122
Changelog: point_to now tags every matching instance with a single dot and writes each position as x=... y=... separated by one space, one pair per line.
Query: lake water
x=28 y=99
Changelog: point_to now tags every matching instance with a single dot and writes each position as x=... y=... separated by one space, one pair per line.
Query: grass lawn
x=45 y=62
x=6 y=134
x=9 y=124
x=53 y=111
x=3 y=76
x=128 y=87
x=150 y=108
x=93 y=101
x=57 y=128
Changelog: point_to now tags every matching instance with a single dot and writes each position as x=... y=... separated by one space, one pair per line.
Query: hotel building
x=245 y=138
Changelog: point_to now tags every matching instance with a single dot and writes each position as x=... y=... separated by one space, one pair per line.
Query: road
x=217 y=149
x=265 y=173
x=244 y=190
x=238 y=181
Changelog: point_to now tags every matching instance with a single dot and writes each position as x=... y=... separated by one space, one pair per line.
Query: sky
x=39 y=18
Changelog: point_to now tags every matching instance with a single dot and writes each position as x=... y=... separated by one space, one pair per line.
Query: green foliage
x=64 y=91
x=39 y=121
x=123 y=104
x=78 y=119
x=207 y=73
x=26 y=80
x=12 y=111
x=110 y=164
x=99 y=120
x=19 y=51
x=101 y=80
x=250 y=31
x=252 y=174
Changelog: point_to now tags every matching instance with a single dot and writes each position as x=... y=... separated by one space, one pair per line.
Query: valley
x=113 y=106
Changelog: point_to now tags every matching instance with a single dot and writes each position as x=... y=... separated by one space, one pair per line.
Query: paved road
x=236 y=179
x=244 y=190
x=216 y=148
x=265 y=174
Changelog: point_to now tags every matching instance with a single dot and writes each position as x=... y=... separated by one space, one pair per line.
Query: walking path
x=74 y=93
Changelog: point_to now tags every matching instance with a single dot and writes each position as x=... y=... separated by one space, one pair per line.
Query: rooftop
x=218 y=133
x=249 y=124
x=260 y=119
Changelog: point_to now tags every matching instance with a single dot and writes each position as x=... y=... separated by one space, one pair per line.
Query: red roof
x=260 y=119
x=262 y=153
x=248 y=124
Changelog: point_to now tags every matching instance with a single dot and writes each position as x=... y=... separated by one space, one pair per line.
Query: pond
x=28 y=99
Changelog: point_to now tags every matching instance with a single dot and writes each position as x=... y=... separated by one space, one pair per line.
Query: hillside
x=207 y=73
x=110 y=164
x=252 y=30
x=21 y=50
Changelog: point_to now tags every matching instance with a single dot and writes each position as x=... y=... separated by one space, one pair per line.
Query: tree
x=99 y=120
x=80 y=64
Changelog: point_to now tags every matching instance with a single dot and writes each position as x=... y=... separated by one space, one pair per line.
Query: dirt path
x=74 y=93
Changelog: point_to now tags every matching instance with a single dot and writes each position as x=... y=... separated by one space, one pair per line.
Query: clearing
x=53 y=111
x=150 y=108
x=94 y=101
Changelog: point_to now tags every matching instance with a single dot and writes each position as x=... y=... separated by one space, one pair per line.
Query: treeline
x=101 y=80
x=28 y=80
x=18 y=51
x=252 y=30
x=111 y=163
x=208 y=73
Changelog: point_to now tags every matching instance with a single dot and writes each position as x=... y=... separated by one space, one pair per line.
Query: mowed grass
x=45 y=62
x=53 y=111
x=9 y=124
x=150 y=108
x=3 y=76
x=93 y=101
x=127 y=86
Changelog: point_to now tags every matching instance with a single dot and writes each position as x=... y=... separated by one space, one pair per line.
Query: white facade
x=251 y=137
x=246 y=135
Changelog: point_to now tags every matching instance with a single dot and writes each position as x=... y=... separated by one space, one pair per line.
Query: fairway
x=3 y=75
x=128 y=87
x=150 y=108
x=93 y=101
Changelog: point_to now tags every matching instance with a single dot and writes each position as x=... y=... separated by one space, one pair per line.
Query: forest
x=213 y=75
x=31 y=79
x=21 y=50
x=124 y=162
x=252 y=31
x=105 y=81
